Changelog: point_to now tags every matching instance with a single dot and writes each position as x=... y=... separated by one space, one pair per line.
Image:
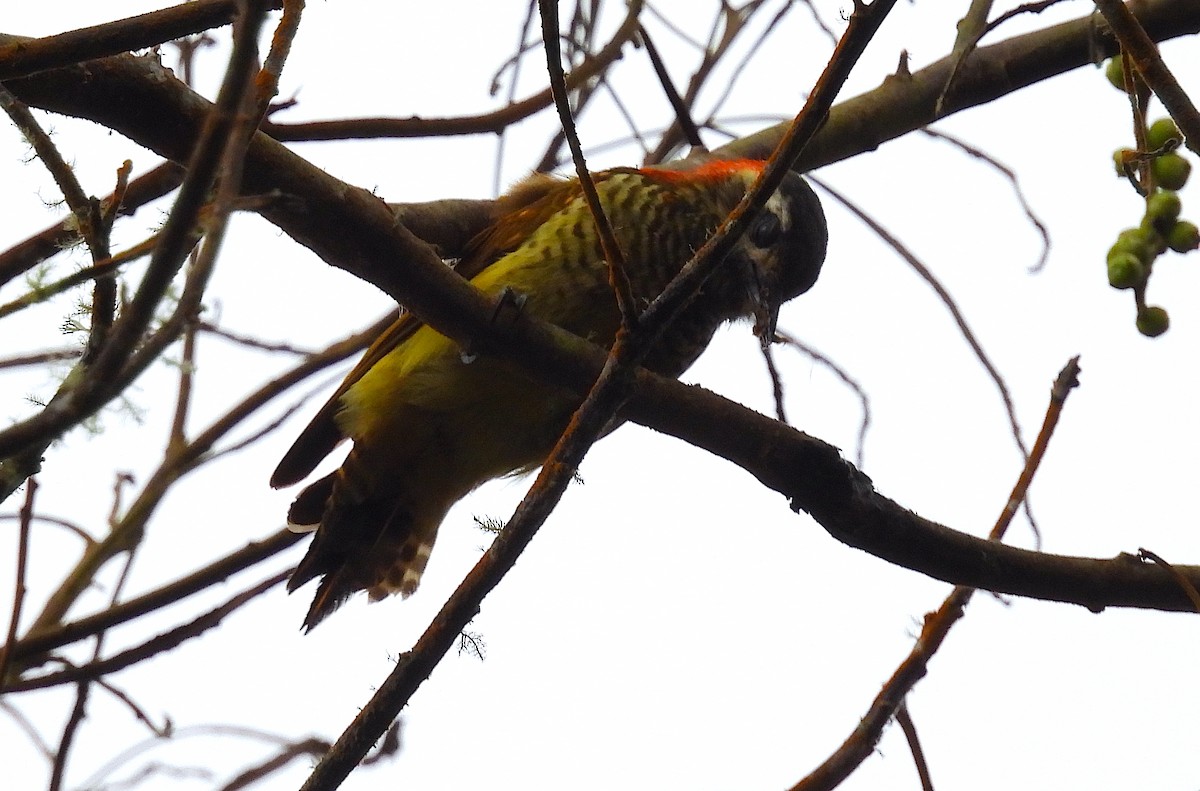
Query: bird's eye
x=766 y=230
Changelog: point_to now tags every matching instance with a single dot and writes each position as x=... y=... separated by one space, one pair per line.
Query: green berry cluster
x=1157 y=171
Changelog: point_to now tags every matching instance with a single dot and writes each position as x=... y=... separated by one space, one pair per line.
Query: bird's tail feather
x=366 y=539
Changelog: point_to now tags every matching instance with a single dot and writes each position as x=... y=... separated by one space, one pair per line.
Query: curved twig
x=163 y=642
x=863 y=399
x=487 y=123
x=1013 y=180
x=861 y=743
x=1141 y=49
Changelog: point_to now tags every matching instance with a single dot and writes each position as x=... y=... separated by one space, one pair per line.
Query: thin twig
x=959 y=319
x=776 y=383
x=83 y=688
x=80 y=396
x=86 y=212
x=30 y=730
x=731 y=22
x=1184 y=583
x=683 y=115
x=152 y=647
x=861 y=743
x=40 y=358
x=735 y=75
x=185 y=460
x=1024 y=8
x=613 y=256
x=33 y=648
x=946 y=298
x=1013 y=180
x=515 y=64
x=1140 y=48
x=252 y=342
x=1066 y=380
x=971 y=28
x=608 y=392
x=904 y=719
x=97 y=779
x=863 y=399
x=32 y=251
x=311 y=747
x=139 y=713
x=103 y=268
x=495 y=121
x=177 y=433
x=104 y=289
x=47 y=152
x=26 y=520
x=819 y=21
x=63 y=523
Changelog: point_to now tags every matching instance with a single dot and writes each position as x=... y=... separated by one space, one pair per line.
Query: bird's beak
x=764 y=296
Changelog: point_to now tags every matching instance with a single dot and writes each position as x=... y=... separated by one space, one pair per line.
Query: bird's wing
x=518 y=214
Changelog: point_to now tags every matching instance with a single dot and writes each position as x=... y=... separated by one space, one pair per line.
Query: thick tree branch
x=358 y=232
x=19 y=58
x=611 y=389
x=904 y=103
x=144 y=102
x=1140 y=48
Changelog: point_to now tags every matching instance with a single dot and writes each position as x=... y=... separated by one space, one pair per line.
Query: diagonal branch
x=612 y=388
x=1140 y=47
x=19 y=59
x=358 y=232
x=861 y=743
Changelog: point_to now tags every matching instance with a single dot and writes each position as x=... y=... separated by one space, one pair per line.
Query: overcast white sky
x=674 y=625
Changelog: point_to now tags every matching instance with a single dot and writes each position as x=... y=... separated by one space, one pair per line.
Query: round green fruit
x=1184 y=237
x=1143 y=243
x=1124 y=160
x=1162 y=210
x=1114 y=70
x=1125 y=270
x=1152 y=321
x=1171 y=171
x=1160 y=132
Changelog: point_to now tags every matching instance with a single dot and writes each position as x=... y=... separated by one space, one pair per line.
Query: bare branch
x=183 y=461
x=914 y=745
x=163 y=642
x=1144 y=54
x=487 y=123
x=26 y=440
x=138 y=32
x=26 y=519
x=846 y=379
x=1009 y=174
x=946 y=298
x=53 y=240
x=613 y=256
x=861 y=743
x=610 y=390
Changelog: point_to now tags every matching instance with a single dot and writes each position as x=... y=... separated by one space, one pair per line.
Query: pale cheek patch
x=777 y=204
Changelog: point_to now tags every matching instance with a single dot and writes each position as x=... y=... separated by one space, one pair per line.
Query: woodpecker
x=429 y=424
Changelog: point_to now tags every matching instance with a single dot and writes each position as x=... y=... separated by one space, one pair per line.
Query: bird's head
x=782 y=252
